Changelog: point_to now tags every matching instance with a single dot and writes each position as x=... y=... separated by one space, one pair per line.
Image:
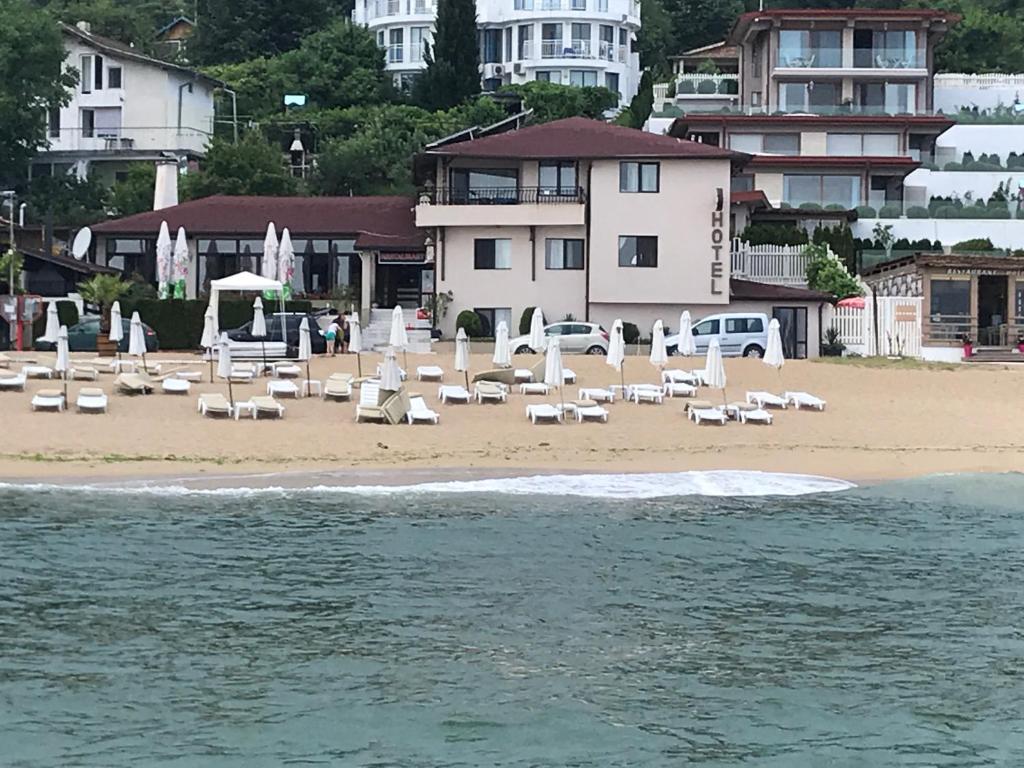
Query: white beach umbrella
x=617 y=351
x=116 y=333
x=554 y=372
x=52 y=324
x=286 y=263
x=390 y=375
x=398 y=338
x=462 y=353
x=659 y=355
x=714 y=368
x=305 y=344
x=355 y=340
x=537 y=331
x=268 y=266
x=63 y=364
x=774 y=356
x=179 y=269
x=209 y=339
x=687 y=344
x=259 y=327
x=164 y=256
x=502 y=352
x=137 y=339
x=224 y=364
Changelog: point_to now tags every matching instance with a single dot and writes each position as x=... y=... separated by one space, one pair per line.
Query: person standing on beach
x=346 y=334
x=331 y=336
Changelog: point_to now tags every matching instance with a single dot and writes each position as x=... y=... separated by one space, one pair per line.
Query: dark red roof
x=581 y=137
x=751 y=291
x=831 y=161
x=386 y=223
x=752 y=197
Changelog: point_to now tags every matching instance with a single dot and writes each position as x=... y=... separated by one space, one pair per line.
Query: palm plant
x=103 y=291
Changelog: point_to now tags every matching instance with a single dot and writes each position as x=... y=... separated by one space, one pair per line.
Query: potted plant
x=968 y=345
x=1020 y=343
x=103 y=291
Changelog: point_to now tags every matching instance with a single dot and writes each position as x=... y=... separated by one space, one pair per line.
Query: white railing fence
x=898 y=324
x=776 y=264
x=987 y=80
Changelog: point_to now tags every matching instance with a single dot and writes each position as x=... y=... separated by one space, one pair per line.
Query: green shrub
x=866 y=212
x=826 y=273
x=890 y=211
x=630 y=333
x=975 y=244
x=470 y=322
x=773 y=234
x=835 y=207
x=917 y=212
x=524 y=321
x=953 y=167
x=707 y=86
x=999 y=213
x=686 y=86
x=810 y=207
x=1020 y=213
x=1014 y=161
x=947 y=212
x=967 y=158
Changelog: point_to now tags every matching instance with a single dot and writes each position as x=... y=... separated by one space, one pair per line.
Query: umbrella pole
x=65 y=390
x=467 y=378
x=231 y=394
x=308 y=377
x=405 y=359
x=359 y=365
x=263 y=346
x=145 y=368
x=210 y=352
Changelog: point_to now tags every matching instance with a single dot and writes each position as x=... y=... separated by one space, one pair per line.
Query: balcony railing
x=382 y=8
x=605 y=50
x=887 y=58
x=826 y=110
x=551 y=49
x=580 y=50
x=526 y=50
x=556 y=49
x=623 y=54
x=503 y=196
x=810 y=58
x=696 y=85
x=122 y=139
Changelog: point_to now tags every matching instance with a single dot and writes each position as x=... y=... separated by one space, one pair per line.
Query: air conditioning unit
x=517 y=68
x=493 y=71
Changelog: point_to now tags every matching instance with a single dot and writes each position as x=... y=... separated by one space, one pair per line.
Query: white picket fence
x=899 y=326
x=776 y=264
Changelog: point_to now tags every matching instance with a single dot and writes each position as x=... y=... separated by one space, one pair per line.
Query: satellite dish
x=81 y=244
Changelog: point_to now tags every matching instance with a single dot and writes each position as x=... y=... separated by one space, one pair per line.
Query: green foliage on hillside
x=452 y=74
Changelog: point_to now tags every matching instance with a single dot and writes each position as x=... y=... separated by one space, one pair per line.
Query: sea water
x=647 y=621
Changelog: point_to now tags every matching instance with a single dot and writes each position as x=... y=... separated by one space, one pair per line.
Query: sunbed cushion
x=90 y=392
x=49 y=393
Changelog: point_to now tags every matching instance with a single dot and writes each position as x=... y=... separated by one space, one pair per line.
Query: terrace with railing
x=502 y=195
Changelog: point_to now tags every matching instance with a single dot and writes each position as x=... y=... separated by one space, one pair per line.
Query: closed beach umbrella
x=390 y=375
x=286 y=263
x=714 y=368
x=355 y=341
x=209 y=339
x=687 y=345
x=137 y=339
x=774 y=356
x=63 y=364
x=52 y=324
x=399 y=339
x=259 y=327
x=617 y=351
x=268 y=266
x=502 y=352
x=305 y=344
x=179 y=272
x=224 y=365
x=164 y=256
x=659 y=355
x=462 y=353
x=537 y=331
x=116 y=333
x=554 y=373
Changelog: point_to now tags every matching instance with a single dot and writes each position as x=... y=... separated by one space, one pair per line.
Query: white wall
x=1000 y=139
x=953 y=91
x=1004 y=233
x=948 y=183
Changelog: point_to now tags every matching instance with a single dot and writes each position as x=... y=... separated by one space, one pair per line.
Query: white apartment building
x=127 y=108
x=572 y=42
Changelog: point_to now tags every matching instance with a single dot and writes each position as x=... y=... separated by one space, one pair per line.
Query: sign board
x=982 y=271
x=402 y=257
x=905 y=313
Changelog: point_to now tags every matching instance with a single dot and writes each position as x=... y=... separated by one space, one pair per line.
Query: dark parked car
x=293 y=320
x=82 y=336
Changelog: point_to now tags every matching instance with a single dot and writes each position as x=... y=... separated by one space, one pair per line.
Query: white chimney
x=165 y=192
x=84 y=26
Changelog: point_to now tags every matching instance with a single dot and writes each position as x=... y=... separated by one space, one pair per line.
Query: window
x=551 y=41
x=416 y=37
x=602 y=6
x=580 y=40
x=114 y=77
x=611 y=82
x=491 y=316
x=707 y=328
x=492 y=253
x=638 y=177
x=97 y=73
x=563 y=254
x=744 y=325
x=886 y=98
x=821 y=189
x=558 y=177
x=549 y=75
x=582 y=78
x=107 y=122
x=523 y=5
x=86 y=69
x=484 y=185
x=395 y=45
x=638 y=251
x=133 y=257
x=508 y=44
x=88 y=124
x=53 y=118
x=818 y=98
x=861 y=145
x=742 y=183
x=491 y=53
x=802 y=48
x=525 y=41
x=579 y=5
x=950 y=299
x=766 y=143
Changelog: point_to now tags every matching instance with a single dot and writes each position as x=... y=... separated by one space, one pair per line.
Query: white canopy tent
x=240 y=283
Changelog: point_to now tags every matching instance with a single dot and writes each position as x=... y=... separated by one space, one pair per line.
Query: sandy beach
x=881 y=423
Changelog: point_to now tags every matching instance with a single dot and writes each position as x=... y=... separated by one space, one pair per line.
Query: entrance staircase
x=378 y=331
x=995 y=355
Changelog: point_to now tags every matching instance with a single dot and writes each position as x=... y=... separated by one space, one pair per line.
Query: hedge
x=524 y=321
x=866 y=212
x=890 y=211
x=470 y=321
x=179 y=322
x=630 y=333
x=917 y=212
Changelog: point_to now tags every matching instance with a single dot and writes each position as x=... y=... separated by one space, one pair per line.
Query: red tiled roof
x=581 y=137
x=386 y=223
x=751 y=291
x=751 y=197
x=831 y=161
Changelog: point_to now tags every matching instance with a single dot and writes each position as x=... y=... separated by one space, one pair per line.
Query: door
x=992 y=304
x=703 y=332
x=793 y=330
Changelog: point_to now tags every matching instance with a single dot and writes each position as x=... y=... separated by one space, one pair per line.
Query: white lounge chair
x=91 y=400
x=429 y=372
x=490 y=390
x=214 y=404
x=701 y=375
x=678 y=376
x=133 y=384
x=804 y=400
x=5 y=361
x=282 y=387
x=286 y=370
x=568 y=376
x=598 y=394
x=650 y=393
x=189 y=375
x=534 y=388
x=766 y=399
x=242 y=373
x=48 y=399
x=756 y=416
x=543 y=412
x=37 y=371
x=368 y=407
x=455 y=393
x=734 y=410
x=11 y=383
x=523 y=375
x=418 y=411
x=175 y=386
x=85 y=372
x=589 y=410
x=712 y=415
x=338 y=387
x=266 y=406
x=678 y=389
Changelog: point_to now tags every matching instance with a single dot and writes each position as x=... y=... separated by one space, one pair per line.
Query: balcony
x=102 y=141
x=810 y=58
x=894 y=62
x=384 y=8
x=501 y=206
x=887 y=58
x=556 y=49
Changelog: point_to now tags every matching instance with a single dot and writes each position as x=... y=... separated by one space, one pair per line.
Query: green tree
x=69 y=200
x=237 y=30
x=986 y=40
x=700 y=22
x=135 y=193
x=550 y=101
x=639 y=109
x=654 y=41
x=826 y=273
x=32 y=81
x=452 y=74
x=116 y=19
x=251 y=167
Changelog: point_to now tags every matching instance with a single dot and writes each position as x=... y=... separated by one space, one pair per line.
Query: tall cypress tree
x=452 y=74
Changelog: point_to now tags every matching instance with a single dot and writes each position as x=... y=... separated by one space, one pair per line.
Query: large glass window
x=563 y=253
x=885 y=49
x=886 y=98
x=766 y=143
x=822 y=189
x=638 y=251
x=558 y=177
x=490 y=317
x=582 y=78
x=133 y=257
x=549 y=75
x=417 y=35
x=638 y=177
x=581 y=41
x=480 y=185
x=395 y=51
x=525 y=41
x=491 y=53
x=805 y=48
x=863 y=145
x=611 y=82
x=817 y=98
x=551 y=41
x=492 y=253
x=950 y=299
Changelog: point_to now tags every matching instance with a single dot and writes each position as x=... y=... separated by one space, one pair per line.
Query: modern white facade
x=127 y=107
x=572 y=42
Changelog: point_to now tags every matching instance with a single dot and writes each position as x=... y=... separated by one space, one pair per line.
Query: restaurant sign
x=983 y=271
x=402 y=257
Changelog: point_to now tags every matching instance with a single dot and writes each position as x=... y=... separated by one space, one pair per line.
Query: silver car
x=573 y=338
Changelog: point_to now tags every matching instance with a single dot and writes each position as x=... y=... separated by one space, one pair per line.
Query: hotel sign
x=717 y=244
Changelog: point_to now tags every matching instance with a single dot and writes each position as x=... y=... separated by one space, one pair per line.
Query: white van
x=738 y=333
